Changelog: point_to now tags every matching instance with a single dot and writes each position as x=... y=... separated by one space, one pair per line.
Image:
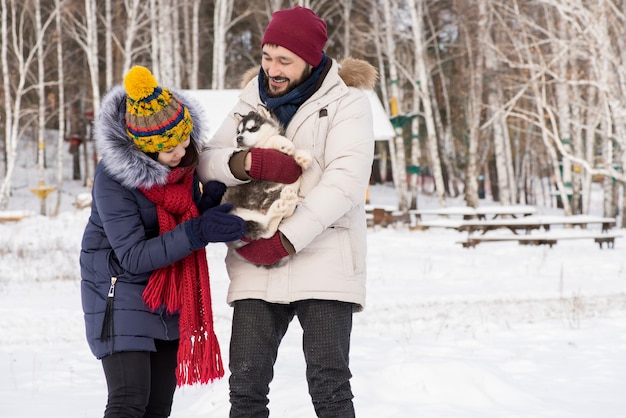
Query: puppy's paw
x=288 y=193
x=279 y=208
x=282 y=144
x=287 y=148
x=287 y=202
x=303 y=158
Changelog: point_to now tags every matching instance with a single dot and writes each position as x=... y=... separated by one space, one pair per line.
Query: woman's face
x=172 y=157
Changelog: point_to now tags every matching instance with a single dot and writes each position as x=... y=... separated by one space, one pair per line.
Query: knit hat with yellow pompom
x=155 y=119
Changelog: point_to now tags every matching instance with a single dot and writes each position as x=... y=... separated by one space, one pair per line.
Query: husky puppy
x=263 y=204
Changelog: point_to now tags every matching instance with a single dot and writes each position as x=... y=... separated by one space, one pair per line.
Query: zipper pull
x=107 y=323
x=112 y=288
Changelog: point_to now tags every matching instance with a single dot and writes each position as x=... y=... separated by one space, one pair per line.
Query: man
x=322 y=282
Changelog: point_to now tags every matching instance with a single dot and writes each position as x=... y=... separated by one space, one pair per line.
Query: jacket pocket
x=114 y=266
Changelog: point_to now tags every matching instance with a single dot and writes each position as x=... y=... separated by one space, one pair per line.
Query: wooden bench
x=542 y=239
x=531 y=223
x=15 y=215
x=385 y=216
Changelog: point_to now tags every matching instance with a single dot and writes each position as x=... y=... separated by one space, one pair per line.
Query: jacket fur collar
x=120 y=158
x=354 y=72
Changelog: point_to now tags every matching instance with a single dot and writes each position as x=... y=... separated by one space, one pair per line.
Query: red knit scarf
x=184 y=285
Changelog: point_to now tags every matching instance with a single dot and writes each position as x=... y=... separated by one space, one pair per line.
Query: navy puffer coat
x=122 y=237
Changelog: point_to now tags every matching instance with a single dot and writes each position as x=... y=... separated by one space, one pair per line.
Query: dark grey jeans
x=257 y=330
x=141 y=384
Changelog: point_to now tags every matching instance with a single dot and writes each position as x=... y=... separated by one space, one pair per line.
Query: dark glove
x=215 y=225
x=264 y=251
x=272 y=165
x=212 y=192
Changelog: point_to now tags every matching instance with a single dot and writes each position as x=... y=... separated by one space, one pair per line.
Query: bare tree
x=222 y=23
x=400 y=174
x=475 y=60
x=61 y=103
x=20 y=72
x=83 y=29
x=421 y=85
x=221 y=18
x=42 y=190
x=137 y=20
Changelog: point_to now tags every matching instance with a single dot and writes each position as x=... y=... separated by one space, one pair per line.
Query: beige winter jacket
x=328 y=228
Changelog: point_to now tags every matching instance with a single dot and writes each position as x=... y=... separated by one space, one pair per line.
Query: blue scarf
x=284 y=107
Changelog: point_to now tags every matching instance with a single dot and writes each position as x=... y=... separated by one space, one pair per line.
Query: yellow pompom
x=139 y=83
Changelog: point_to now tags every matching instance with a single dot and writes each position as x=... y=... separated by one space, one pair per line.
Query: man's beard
x=291 y=85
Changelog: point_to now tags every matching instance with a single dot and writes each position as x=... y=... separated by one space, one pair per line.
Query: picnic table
x=384 y=215
x=481 y=212
x=530 y=223
x=547 y=237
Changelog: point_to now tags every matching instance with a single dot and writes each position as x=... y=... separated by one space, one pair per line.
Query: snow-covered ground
x=501 y=330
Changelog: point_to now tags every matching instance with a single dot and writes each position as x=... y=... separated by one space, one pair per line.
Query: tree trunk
x=399 y=154
x=41 y=120
x=221 y=17
x=10 y=137
x=61 y=107
x=422 y=78
x=476 y=68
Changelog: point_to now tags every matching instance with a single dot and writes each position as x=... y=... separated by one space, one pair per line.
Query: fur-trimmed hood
x=354 y=72
x=121 y=159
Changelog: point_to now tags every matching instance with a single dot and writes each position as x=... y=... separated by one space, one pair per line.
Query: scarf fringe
x=199 y=362
x=162 y=289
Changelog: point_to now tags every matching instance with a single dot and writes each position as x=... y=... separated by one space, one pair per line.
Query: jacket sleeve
x=348 y=154
x=120 y=213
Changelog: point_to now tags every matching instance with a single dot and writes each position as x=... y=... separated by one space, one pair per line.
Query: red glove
x=272 y=165
x=264 y=251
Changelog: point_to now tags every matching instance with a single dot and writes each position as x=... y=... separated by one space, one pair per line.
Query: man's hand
x=272 y=165
x=264 y=252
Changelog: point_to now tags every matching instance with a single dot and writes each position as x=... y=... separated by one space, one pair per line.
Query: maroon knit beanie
x=299 y=30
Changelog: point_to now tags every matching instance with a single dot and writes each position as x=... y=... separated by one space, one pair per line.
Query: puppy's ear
x=263 y=111
x=238 y=116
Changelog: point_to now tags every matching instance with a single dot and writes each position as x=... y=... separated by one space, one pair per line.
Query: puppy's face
x=253 y=129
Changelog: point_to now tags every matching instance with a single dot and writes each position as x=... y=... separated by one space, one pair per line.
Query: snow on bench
x=15 y=215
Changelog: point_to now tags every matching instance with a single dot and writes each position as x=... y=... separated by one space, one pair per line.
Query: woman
x=145 y=284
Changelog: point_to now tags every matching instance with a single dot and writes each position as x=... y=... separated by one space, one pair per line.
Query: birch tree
x=475 y=60
x=222 y=23
x=399 y=175
x=381 y=148
x=108 y=45
x=41 y=191
x=221 y=19
x=137 y=20
x=422 y=83
x=496 y=116
x=192 y=40
x=61 y=103
x=84 y=31
x=15 y=78
x=166 y=27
